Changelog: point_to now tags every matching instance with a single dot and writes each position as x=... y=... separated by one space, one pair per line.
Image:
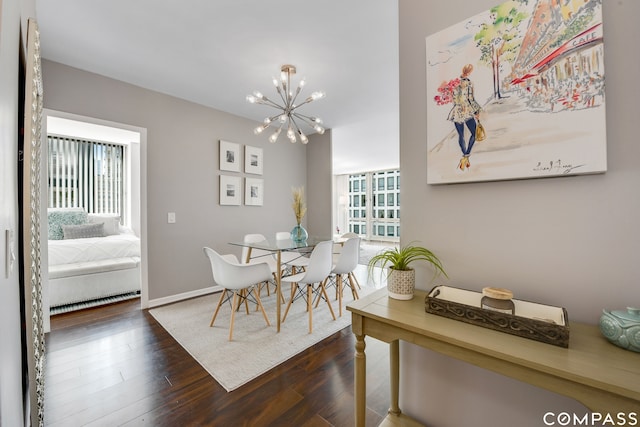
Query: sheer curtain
x=87 y=174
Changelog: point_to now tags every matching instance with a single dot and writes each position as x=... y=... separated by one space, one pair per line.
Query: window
x=87 y=174
x=381 y=215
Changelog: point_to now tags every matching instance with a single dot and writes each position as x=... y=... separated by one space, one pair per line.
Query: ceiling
x=215 y=52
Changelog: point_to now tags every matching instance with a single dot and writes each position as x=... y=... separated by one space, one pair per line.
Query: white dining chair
x=241 y=280
x=311 y=281
x=343 y=269
x=337 y=251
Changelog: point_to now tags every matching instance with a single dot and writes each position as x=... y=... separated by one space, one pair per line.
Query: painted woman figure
x=465 y=112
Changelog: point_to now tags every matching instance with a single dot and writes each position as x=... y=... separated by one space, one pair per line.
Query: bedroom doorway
x=134 y=191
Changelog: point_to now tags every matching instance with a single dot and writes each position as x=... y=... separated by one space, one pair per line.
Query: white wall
x=571 y=242
x=13 y=13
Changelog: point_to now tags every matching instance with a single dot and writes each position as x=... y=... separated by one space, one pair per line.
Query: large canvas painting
x=528 y=73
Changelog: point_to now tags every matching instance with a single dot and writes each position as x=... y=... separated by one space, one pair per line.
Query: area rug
x=256 y=347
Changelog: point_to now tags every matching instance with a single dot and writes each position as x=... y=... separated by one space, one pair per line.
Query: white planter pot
x=401 y=284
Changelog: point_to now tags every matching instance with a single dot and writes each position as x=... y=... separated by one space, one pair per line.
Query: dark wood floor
x=115 y=365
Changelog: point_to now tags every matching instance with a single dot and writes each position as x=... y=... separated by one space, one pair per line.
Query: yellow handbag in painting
x=480 y=133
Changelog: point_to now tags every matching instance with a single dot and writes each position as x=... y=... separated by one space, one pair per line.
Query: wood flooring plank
x=116 y=365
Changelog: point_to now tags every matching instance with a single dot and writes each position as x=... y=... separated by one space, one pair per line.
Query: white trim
x=138 y=213
x=183 y=296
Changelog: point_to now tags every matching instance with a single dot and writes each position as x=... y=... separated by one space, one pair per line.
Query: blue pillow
x=59 y=217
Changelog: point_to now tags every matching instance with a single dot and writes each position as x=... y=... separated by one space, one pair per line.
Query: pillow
x=64 y=216
x=83 y=231
x=111 y=222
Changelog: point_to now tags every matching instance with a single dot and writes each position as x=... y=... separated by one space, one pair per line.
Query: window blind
x=86 y=174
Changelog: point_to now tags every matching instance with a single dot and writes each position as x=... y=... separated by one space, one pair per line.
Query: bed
x=91 y=258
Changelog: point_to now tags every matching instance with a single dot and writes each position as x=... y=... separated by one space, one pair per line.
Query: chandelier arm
x=306 y=101
x=307 y=119
x=280 y=91
x=304 y=119
x=268 y=102
x=298 y=90
x=295 y=125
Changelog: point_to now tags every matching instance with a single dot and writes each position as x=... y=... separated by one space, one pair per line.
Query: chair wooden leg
x=318 y=299
x=324 y=292
x=244 y=293
x=222 y=296
x=286 y=311
x=234 y=306
x=309 y=306
x=264 y=313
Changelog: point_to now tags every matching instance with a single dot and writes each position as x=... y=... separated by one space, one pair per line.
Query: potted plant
x=401 y=278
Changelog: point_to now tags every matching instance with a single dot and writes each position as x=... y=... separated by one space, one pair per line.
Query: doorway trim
x=142 y=191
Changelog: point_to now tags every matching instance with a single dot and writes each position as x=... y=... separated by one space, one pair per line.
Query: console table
x=593 y=371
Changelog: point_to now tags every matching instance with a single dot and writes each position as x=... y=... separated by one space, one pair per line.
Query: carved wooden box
x=535 y=321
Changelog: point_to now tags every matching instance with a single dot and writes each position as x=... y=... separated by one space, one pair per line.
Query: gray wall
x=183 y=173
x=319 y=184
x=571 y=242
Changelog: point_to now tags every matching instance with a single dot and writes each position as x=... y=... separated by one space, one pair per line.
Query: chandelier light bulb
x=303 y=137
x=317 y=95
x=274 y=137
x=291 y=135
x=251 y=99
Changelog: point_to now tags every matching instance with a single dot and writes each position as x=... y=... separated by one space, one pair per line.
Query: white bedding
x=93 y=249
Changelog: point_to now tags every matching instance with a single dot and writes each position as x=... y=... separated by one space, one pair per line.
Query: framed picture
x=517 y=92
x=229 y=156
x=230 y=190
x=253 y=191
x=253 y=160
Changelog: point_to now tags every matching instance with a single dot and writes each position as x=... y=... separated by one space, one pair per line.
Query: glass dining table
x=277 y=247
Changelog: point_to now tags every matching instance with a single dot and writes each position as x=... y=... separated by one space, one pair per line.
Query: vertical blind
x=86 y=174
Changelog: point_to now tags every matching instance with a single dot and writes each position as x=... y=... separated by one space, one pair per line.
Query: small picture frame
x=253 y=160
x=253 y=191
x=230 y=190
x=229 y=156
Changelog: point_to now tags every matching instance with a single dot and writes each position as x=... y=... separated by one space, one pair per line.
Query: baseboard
x=180 y=297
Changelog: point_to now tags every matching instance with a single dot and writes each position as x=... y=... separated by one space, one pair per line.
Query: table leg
x=278 y=287
x=394 y=377
x=360 y=386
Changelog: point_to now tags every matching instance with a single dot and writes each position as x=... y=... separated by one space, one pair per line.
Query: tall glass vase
x=299 y=234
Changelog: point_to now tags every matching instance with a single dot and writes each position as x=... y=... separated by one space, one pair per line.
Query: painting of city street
x=530 y=74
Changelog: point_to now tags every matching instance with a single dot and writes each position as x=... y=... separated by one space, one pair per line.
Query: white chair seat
x=240 y=279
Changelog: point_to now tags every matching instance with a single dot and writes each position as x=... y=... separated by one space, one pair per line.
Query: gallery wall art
x=229 y=156
x=530 y=75
x=230 y=194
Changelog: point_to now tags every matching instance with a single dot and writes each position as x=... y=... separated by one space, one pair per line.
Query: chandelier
x=288 y=116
